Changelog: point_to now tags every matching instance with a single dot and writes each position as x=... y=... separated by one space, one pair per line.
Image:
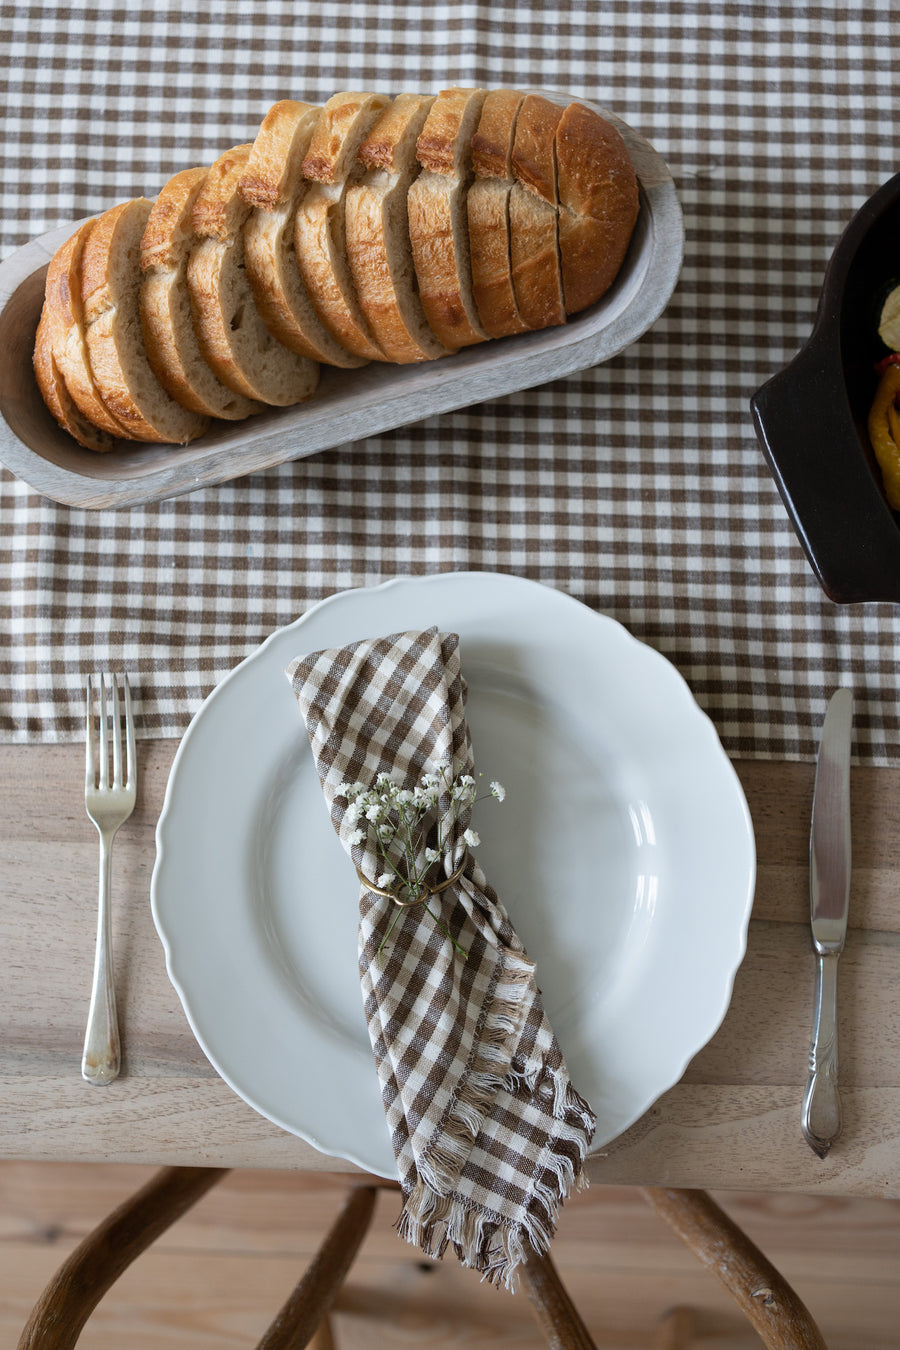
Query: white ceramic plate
x=624 y=853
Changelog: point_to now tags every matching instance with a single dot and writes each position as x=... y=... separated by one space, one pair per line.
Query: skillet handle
x=822 y=468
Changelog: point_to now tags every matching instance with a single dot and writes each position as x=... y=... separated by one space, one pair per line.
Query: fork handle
x=100 y=1061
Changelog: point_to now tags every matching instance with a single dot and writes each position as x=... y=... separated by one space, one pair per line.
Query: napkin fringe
x=448 y=1151
x=496 y=1249
x=566 y=1101
x=481 y=1239
x=434 y=1216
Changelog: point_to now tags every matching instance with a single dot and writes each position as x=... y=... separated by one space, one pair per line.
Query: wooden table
x=732 y=1122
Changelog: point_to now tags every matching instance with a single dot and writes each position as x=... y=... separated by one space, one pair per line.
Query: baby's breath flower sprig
x=396 y=818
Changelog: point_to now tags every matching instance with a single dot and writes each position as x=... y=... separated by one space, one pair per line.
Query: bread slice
x=487 y=206
x=533 y=215
x=110 y=287
x=438 y=228
x=332 y=166
x=377 y=231
x=273 y=184
x=233 y=338
x=598 y=204
x=171 y=342
x=65 y=332
x=57 y=397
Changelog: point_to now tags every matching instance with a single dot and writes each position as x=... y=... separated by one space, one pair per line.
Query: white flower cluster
x=393 y=816
x=390 y=813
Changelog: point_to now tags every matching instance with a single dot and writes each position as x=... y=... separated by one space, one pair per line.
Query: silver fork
x=108 y=804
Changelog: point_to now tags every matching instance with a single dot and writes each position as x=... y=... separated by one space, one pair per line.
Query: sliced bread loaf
x=233 y=338
x=57 y=397
x=377 y=232
x=169 y=336
x=533 y=215
x=274 y=185
x=332 y=166
x=487 y=208
x=598 y=204
x=110 y=288
x=438 y=228
x=65 y=333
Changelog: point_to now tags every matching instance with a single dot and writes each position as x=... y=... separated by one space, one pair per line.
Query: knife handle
x=822 y=1102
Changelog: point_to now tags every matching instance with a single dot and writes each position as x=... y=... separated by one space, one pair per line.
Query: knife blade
x=829 y=902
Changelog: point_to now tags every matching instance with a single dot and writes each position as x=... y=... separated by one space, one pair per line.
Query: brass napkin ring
x=422 y=894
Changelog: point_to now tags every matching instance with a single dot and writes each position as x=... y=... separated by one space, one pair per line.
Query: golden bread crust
x=377 y=234
x=65 y=321
x=440 y=148
x=319 y=228
x=493 y=139
x=110 y=278
x=172 y=347
x=533 y=215
x=168 y=228
x=273 y=182
x=487 y=207
x=273 y=170
x=438 y=227
x=57 y=397
x=388 y=137
x=204 y=273
x=599 y=203
x=220 y=210
x=534 y=255
x=533 y=153
x=333 y=146
x=233 y=338
x=318 y=236
x=280 y=292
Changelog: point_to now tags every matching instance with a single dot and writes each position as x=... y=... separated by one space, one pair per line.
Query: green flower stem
x=387 y=935
x=446 y=931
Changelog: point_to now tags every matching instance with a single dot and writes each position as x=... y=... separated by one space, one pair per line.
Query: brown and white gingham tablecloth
x=638 y=486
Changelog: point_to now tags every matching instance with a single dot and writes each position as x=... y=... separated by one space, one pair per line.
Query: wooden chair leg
x=559 y=1318
x=779 y=1317
x=77 y=1287
x=308 y=1305
x=676 y=1330
x=322 y=1337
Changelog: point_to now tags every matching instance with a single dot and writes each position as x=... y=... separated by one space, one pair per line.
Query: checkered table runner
x=638 y=486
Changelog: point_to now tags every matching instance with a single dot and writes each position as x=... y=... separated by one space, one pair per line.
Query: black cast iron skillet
x=811 y=417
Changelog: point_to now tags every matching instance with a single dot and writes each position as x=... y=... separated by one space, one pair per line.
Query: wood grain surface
x=732 y=1122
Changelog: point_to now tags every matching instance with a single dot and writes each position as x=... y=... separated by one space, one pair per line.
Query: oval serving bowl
x=811 y=417
x=348 y=404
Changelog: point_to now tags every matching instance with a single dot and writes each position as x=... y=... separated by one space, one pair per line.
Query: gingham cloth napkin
x=488 y=1132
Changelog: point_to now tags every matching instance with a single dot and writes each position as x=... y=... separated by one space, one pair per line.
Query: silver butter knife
x=829 y=899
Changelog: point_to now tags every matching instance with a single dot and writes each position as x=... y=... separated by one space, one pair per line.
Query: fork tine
x=104 y=737
x=89 y=778
x=117 y=733
x=129 y=735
